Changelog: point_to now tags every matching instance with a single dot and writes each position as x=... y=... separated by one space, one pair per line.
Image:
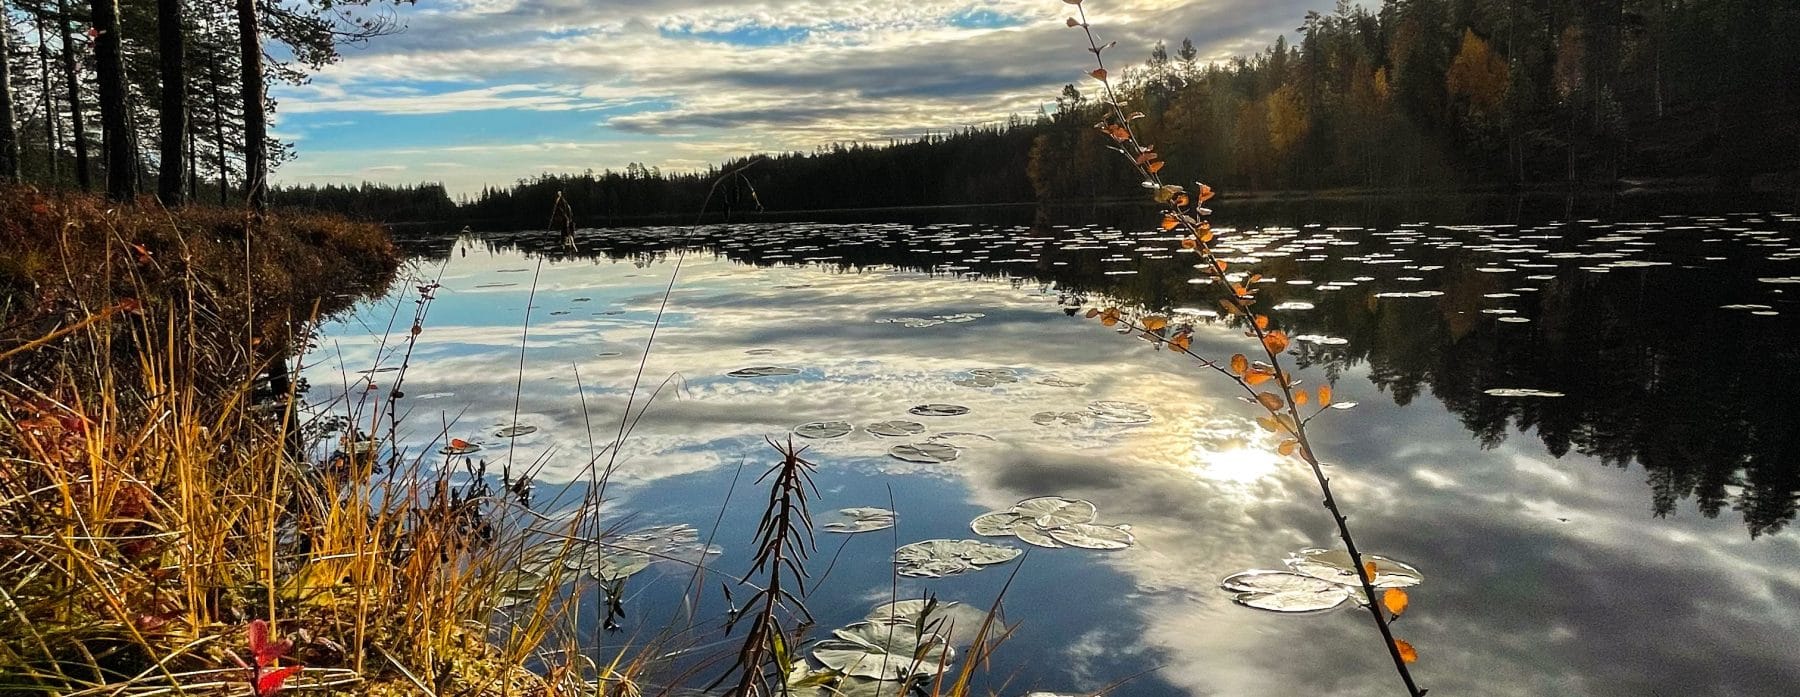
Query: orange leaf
x=1110 y=317
x=1181 y=201
x=1156 y=166
x=1268 y=424
x=458 y=443
x=1324 y=395
x=1072 y=23
x=1301 y=397
x=1206 y=193
x=1257 y=378
x=1394 y=600
x=1262 y=321
x=1099 y=73
x=1369 y=568
x=1269 y=400
x=1275 y=341
x=1169 y=222
x=1407 y=652
x=1093 y=312
x=1188 y=243
x=1287 y=447
x=1154 y=322
x=1240 y=364
x=1182 y=341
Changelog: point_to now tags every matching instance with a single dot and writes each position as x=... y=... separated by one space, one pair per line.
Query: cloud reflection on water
x=1516 y=599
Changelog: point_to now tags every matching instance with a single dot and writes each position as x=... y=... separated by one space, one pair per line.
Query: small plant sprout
x=1264 y=380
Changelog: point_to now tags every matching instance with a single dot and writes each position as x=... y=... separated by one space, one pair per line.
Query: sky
x=477 y=92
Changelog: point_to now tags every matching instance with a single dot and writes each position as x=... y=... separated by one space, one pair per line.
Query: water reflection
x=1541 y=567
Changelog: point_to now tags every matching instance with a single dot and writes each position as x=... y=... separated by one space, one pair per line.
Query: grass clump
x=154 y=505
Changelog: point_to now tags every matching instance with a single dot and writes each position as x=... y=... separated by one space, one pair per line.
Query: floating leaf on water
x=1059 y=382
x=1519 y=392
x=963 y=439
x=883 y=652
x=1334 y=565
x=759 y=352
x=895 y=429
x=1091 y=536
x=615 y=565
x=952 y=620
x=515 y=431
x=938 y=410
x=1055 y=511
x=1028 y=532
x=1066 y=418
x=854 y=520
x=824 y=429
x=1000 y=375
x=1120 y=413
x=932 y=453
x=763 y=371
x=976 y=381
x=1284 y=591
x=935 y=558
x=995 y=524
x=517 y=587
x=459 y=446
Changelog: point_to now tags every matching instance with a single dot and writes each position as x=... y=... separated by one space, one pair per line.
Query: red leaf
x=266 y=651
x=271 y=682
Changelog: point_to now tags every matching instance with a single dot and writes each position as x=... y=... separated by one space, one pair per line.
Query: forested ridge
x=1413 y=94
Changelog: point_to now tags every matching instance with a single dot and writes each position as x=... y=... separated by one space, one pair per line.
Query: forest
x=148 y=96
x=1417 y=94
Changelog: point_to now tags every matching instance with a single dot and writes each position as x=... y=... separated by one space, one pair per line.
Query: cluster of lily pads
x=898 y=645
x=939 y=448
x=612 y=559
x=1316 y=580
x=1053 y=521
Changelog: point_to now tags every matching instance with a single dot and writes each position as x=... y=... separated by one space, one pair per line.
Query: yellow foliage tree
x=1478 y=75
x=1287 y=120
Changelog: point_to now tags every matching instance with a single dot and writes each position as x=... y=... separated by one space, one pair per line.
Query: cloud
x=771 y=75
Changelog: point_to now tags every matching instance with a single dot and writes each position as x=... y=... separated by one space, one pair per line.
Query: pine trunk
x=256 y=128
x=173 y=117
x=77 y=119
x=117 y=138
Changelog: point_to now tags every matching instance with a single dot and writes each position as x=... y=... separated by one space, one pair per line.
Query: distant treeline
x=1491 y=94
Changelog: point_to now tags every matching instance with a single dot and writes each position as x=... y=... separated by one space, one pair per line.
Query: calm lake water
x=1628 y=534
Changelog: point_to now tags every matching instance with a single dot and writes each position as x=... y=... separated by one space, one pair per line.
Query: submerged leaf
x=850 y=521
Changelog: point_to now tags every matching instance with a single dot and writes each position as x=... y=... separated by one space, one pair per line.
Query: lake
x=1581 y=431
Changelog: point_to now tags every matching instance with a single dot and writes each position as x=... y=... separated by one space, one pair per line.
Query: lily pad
x=459 y=447
x=1059 y=382
x=883 y=652
x=932 y=453
x=963 y=439
x=935 y=558
x=895 y=429
x=1284 y=591
x=1334 y=565
x=995 y=524
x=1519 y=392
x=1028 y=532
x=1091 y=536
x=954 y=621
x=515 y=431
x=1065 y=418
x=824 y=429
x=938 y=410
x=1120 y=413
x=1055 y=511
x=854 y=520
x=612 y=565
x=763 y=371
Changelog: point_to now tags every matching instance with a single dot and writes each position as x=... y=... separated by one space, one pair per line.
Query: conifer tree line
x=138 y=97
x=1412 y=94
x=1433 y=94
